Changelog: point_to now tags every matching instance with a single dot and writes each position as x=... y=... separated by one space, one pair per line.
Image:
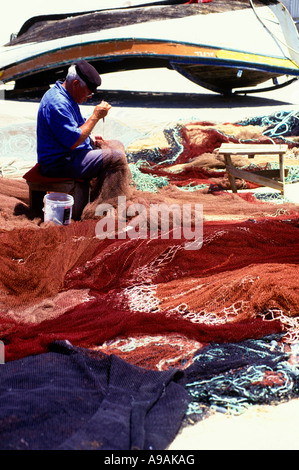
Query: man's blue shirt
x=58 y=126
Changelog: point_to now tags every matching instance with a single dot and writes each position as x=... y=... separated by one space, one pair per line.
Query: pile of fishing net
x=224 y=312
x=282 y=124
x=186 y=155
x=109 y=404
x=66 y=284
x=71 y=399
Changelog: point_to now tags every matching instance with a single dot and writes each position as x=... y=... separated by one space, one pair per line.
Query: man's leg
x=107 y=167
x=114 y=178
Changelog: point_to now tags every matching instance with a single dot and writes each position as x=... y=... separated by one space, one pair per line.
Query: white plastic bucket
x=58 y=208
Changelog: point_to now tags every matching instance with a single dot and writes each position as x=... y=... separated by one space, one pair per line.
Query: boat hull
x=208 y=60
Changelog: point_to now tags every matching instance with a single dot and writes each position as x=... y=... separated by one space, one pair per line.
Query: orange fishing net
x=151 y=301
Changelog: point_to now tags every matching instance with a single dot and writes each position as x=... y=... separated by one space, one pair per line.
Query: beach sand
x=260 y=427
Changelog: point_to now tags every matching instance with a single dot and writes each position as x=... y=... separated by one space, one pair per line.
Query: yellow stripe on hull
x=256 y=59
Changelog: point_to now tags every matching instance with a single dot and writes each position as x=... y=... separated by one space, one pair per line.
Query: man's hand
x=97 y=141
x=101 y=110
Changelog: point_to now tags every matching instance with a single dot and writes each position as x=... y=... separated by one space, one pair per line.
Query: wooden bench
x=40 y=185
x=272 y=178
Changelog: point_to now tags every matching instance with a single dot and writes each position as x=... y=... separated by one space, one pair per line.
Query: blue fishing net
x=280 y=124
x=231 y=377
x=71 y=399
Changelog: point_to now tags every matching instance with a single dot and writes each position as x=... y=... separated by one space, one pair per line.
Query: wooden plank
x=254 y=178
x=245 y=149
x=63 y=187
x=231 y=178
x=281 y=168
x=271 y=173
x=262 y=177
x=261 y=146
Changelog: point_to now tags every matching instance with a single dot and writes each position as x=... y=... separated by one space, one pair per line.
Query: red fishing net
x=150 y=300
x=125 y=288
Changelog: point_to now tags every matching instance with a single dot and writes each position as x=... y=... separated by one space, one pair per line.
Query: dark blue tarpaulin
x=70 y=398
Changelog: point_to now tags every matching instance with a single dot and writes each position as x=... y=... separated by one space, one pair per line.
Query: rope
x=146 y=182
x=18 y=141
x=8 y=169
x=284 y=124
x=273 y=35
x=154 y=155
x=279 y=124
x=268 y=377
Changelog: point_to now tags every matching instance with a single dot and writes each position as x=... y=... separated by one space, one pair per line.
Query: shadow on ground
x=124 y=98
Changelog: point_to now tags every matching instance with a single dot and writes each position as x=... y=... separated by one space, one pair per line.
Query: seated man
x=65 y=146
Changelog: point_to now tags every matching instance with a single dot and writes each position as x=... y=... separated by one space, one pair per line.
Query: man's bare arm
x=99 y=112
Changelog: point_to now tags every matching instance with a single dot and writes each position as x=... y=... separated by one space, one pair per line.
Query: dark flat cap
x=88 y=74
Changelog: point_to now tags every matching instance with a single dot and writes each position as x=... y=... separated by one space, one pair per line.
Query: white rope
x=272 y=34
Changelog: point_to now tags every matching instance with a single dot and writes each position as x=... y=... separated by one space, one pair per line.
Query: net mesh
x=149 y=300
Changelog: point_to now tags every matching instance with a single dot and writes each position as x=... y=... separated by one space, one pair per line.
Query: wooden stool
x=40 y=185
x=272 y=178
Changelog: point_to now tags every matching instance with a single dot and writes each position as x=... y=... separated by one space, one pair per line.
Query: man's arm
x=99 y=112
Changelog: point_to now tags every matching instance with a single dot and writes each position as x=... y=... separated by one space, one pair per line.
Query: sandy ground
x=174 y=98
x=259 y=428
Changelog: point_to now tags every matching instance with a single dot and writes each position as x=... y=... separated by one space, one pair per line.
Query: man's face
x=80 y=93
